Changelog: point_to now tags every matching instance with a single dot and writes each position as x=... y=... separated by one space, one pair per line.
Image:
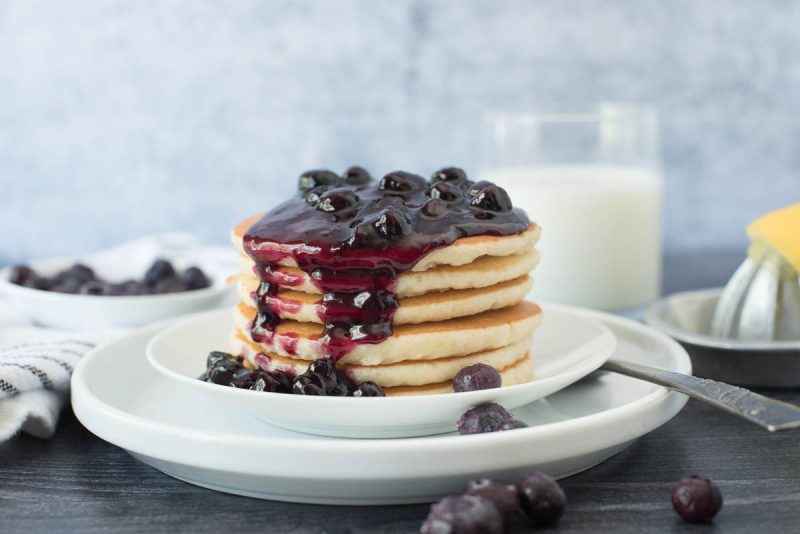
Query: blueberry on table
x=311 y=179
x=368 y=389
x=476 y=377
x=541 y=498
x=490 y=417
x=463 y=514
x=161 y=269
x=504 y=496
x=194 y=278
x=696 y=499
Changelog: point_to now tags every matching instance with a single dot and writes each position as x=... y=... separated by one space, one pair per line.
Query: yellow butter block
x=779 y=230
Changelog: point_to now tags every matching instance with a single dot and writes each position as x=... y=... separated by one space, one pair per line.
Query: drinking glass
x=591 y=180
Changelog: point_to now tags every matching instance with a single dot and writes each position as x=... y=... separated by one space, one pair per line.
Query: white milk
x=601 y=231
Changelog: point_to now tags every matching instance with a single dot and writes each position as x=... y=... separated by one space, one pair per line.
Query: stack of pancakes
x=459 y=305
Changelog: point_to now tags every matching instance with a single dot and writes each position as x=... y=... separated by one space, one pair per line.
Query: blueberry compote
x=354 y=236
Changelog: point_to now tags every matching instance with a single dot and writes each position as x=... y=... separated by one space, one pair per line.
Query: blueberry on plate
x=476 y=377
x=20 y=274
x=696 y=499
x=541 y=498
x=308 y=385
x=490 y=417
x=464 y=514
x=225 y=371
x=95 y=287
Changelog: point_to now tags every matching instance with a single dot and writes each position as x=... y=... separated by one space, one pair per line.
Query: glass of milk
x=592 y=181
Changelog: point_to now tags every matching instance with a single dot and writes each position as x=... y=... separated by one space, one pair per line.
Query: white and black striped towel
x=36 y=363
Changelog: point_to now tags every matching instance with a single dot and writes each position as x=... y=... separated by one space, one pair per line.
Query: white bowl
x=69 y=311
x=568 y=346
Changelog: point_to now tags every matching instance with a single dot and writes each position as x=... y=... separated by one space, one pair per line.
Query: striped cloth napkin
x=36 y=363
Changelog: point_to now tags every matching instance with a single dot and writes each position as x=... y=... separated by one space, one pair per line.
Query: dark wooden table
x=77 y=482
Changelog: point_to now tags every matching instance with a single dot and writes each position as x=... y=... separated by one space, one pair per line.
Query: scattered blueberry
x=489 y=417
x=356 y=176
x=368 y=389
x=490 y=197
x=696 y=499
x=225 y=371
x=337 y=201
x=463 y=514
x=476 y=377
x=161 y=269
x=311 y=179
x=78 y=272
x=131 y=288
x=505 y=497
x=401 y=182
x=541 y=498
x=215 y=357
x=194 y=278
x=307 y=385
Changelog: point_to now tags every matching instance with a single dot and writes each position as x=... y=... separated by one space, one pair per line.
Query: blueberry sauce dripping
x=353 y=236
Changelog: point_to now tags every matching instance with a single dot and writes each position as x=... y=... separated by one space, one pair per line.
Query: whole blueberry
x=368 y=389
x=489 y=197
x=504 y=496
x=20 y=274
x=131 y=288
x=311 y=179
x=435 y=208
x=215 y=357
x=696 y=499
x=225 y=371
x=356 y=176
x=337 y=201
x=490 y=417
x=78 y=271
x=400 y=182
x=452 y=175
x=476 y=377
x=541 y=498
x=161 y=269
x=194 y=278
x=308 y=385
x=325 y=368
x=313 y=195
x=392 y=223
x=463 y=514
x=446 y=191
x=95 y=287
x=67 y=285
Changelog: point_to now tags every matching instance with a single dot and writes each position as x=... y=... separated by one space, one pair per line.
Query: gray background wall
x=124 y=118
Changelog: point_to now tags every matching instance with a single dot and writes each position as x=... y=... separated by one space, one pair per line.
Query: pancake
x=461 y=252
x=424 y=341
x=483 y=272
x=306 y=307
x=408 y=373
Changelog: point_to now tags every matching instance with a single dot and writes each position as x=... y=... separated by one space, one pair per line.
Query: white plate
x=186 y=434
x=568 y=346
x=65 y=310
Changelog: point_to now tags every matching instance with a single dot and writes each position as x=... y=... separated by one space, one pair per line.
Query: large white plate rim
x=440 y=446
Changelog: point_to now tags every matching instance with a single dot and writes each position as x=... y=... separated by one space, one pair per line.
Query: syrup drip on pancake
x=354 y=236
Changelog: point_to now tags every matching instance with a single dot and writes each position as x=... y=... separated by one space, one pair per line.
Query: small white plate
x=568 y=346
x=187 y=434
x=69 y=311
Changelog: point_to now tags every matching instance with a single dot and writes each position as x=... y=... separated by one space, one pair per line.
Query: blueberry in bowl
x=79 y=294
